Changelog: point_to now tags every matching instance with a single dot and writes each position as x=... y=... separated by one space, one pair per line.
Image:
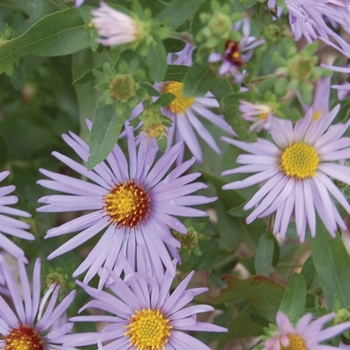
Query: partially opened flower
x=143 y=315
x=306 y=335
x=28 y=324
x=296 y=171
x=236 y=54
x=114 y=26
x=134 y=201
x=260 y=114
x=11 y=226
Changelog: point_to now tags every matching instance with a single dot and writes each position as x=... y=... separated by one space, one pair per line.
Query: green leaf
x=264 y=255
x=178 y=11
x=57 y=34
x=293 y=302
x=308 y=271
x=332 y=263
x=3 y=151
x=264 y=294
x=104 y=134
x=175 y=73
x=198 y=80
x=156 y=61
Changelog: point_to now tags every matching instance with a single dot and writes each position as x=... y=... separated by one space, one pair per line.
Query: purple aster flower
x=343 y=89
x=134 y=202
x=79 y=3
x=260 y=114
x=30 y=321
x=307 y=334
x=311 y=19
x=296 y=170
x=143 y=315
x=9 y=225
x=236 y=54
x=116 y=27
x=185 y=113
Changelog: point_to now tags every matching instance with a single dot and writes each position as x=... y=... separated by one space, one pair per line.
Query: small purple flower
x=114 y=26
x=8 y=225
x=307 y=334
x=133 y=201
x=236 y=54
x=143 y=315
x=260 y=114
x=297 y=170
x=30 y=321
x=79 y=3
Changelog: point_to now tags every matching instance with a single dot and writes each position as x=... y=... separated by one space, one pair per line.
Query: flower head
x=260 y=114
x=79 y=2
x=237 y=53
x=185 y=112
x=31 y=320
x=134 y=202
x=116 y=27
x=306 y=335
x=296 y=169
x=143 y=315
x=9 y=225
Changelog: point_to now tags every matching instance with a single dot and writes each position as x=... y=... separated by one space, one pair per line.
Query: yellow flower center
x=181 y=103
x=316 y=115
x=263 y=115
x=127 y=204
x=148 y=330
x=24 y=338
x=295 y=343
x=299 y=160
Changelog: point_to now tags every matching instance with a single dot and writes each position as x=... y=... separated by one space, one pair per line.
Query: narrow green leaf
x=156 y=61
x=178 y=11
x=175 y=73
x=293 y=302
x=104 y=134
x=264 y=255
x=57 y=34
x=332 y=263
x=308 y=271
x=198 y=80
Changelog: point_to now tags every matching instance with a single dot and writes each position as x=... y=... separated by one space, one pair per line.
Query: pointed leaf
x=104 y=134
x=264 y=255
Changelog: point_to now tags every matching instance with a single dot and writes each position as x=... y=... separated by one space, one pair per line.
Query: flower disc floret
x=148 y=329
x=295 y=343
x=24 y=338
x=181 y=103
x=299 y=160
x=127 y=204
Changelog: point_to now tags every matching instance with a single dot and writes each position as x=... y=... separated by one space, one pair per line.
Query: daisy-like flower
x=79 y=3
x=237 y=53
x=296 y=171
x=114 y=26
x=184 y=113
x=143 y=315
x=306 y=335
x=11 y=226
x=260 y=114
x=134 y=201
x=311 y=19
x=343 y=89
x=28 y=325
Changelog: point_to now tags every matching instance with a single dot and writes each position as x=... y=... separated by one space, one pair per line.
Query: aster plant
x=212 y=132
x=30 y=323
x=144 y=315
x=135 y=201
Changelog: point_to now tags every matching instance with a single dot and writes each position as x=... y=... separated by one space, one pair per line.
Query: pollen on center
x=24 y=338
x=299 y=160
x=181 y=103
x=127 y=204
x=148 y=330
x=295 y=343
